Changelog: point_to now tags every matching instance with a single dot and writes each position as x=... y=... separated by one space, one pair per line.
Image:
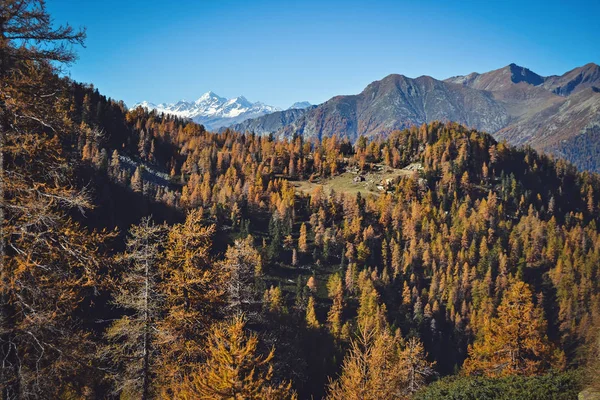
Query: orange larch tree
x=514 y=342
x=234 y=369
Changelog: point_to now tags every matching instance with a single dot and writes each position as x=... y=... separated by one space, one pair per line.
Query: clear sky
x=280 y=52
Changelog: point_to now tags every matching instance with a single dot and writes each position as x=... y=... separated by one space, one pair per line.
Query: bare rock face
x=513 y=103
x=500 y=79
x=271 y=123
x=397 y=102
x=575 y=80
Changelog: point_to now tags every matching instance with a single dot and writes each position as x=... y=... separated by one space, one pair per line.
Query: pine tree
x=311 y=284
x=137 y=182
x=373 y=368
x=593 y=356
x=25 y=25
x=417 y=367
x=273 y=301
x=115 y=164
x=370 y=311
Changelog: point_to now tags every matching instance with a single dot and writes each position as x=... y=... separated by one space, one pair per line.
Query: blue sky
x=280 y=52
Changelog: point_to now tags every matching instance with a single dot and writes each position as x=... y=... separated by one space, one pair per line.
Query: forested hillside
x=144 y=257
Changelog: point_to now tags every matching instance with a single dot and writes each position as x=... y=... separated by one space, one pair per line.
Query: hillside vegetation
x=144 y=257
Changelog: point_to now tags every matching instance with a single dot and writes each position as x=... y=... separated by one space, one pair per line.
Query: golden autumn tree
x=273 y=301
x=593 y=355
x=379 y=364
x=335 y=289
x=417 y=367
x=370 y=310
x=514 y=342
x=311 y=284
x=302 y=240
x=234 y=369
x=373 y=369
x=48 y=261
x=193 y=292
x=137 y=181
x=132 y=347
x=311 y=315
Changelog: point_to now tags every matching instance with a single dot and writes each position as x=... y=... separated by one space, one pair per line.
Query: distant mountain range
x=213 y=111
x=556 y=114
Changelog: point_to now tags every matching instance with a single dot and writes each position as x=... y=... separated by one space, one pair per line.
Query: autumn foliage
x=515 y=341
x=144 y=257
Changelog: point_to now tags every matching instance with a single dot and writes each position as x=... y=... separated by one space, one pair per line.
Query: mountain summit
x=499 y=79
x=300 y=105
x=556 y=114
x=212 y=110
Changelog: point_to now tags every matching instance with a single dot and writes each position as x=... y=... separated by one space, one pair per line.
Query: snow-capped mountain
x=213 y=111
x=300 y=105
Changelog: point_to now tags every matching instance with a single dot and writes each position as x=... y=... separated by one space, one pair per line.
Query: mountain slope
x=513 y=103
x=211 y=110
x=558 y=122
x=575 y=80
x=395 y=102
x=547 y=112
x=271 y=123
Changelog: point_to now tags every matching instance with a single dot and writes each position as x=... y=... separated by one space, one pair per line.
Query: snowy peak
x=212 y=111
x=210 y=96
x=147 y=105
x=300 y=105
x=240 y=101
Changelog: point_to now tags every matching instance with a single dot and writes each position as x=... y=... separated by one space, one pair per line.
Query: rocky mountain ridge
x=513 y=103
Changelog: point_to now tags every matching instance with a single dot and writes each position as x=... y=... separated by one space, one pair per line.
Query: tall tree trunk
x=146 y=351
